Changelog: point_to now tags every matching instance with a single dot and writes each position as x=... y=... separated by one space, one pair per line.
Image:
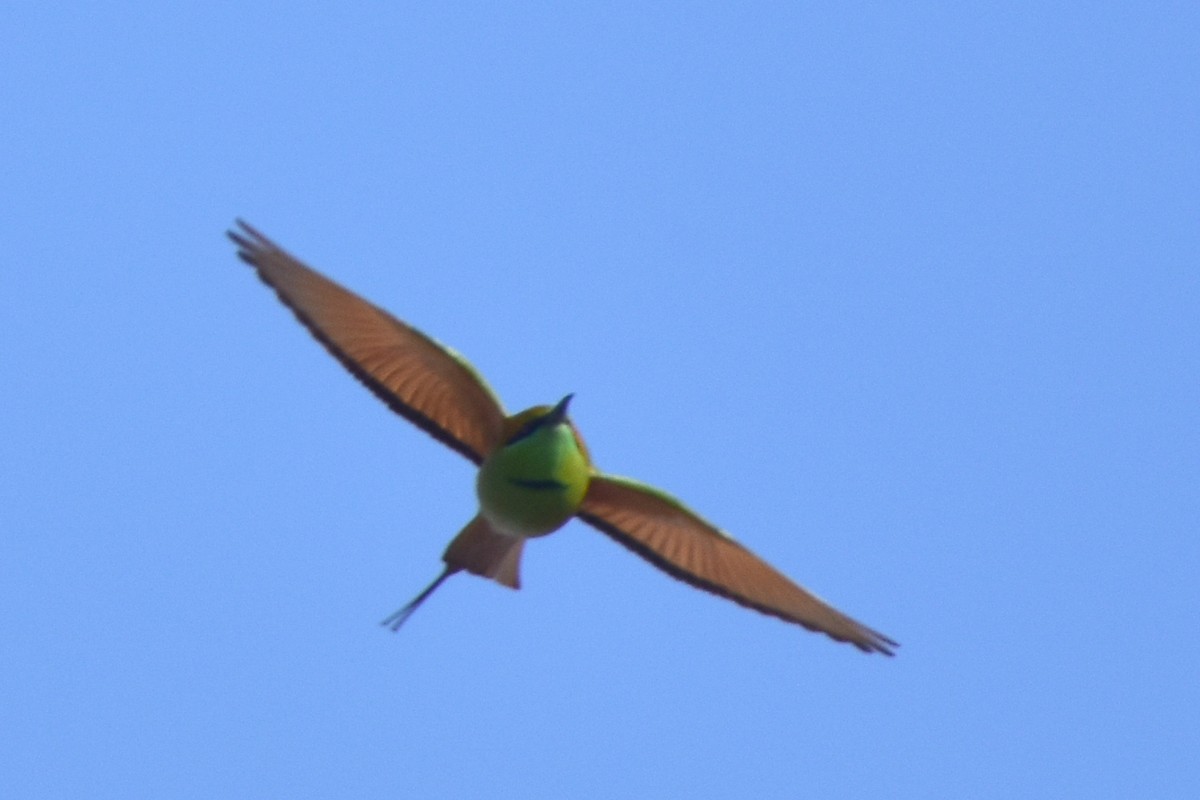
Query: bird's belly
x=529 y=507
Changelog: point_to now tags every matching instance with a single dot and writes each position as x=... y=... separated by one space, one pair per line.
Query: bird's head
x=541 y=418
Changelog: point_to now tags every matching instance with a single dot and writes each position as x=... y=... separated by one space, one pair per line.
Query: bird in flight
x=535 y=473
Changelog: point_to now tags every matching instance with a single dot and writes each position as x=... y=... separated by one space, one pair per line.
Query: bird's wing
x=666 y=533
x=426 y=383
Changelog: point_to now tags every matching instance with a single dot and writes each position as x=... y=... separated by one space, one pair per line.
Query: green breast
x=534 y=485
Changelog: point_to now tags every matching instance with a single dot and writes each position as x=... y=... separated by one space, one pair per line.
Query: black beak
x=559 y=412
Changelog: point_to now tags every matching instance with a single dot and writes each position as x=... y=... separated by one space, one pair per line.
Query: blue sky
x=904 y=296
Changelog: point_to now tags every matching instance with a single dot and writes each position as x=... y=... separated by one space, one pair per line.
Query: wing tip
x=877 y=643
x=869 y=640
x=863 y=638
x=251 y=243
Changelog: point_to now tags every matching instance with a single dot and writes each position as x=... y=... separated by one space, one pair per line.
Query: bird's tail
x=482 y=550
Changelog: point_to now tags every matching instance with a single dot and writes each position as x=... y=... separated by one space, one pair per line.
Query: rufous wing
x=423 y=381
x=666 y=533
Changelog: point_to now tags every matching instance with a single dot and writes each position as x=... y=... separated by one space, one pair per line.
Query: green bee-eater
x=534 y=470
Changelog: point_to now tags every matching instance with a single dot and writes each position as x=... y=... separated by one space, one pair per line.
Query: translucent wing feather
x=426 y=383
x=663 y=531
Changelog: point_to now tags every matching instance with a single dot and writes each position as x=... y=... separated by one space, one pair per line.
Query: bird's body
x=534 y=483
x=535 y=473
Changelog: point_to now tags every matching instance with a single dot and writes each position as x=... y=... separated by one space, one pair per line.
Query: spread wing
x=426 y=383
x=663 y=531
